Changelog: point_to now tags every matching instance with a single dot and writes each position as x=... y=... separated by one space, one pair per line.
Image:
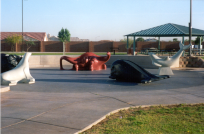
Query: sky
x=98 y=19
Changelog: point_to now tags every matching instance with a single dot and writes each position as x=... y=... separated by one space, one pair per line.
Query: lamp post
x=22 y=27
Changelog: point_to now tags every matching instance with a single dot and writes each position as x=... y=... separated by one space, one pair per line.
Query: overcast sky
x=98 y=19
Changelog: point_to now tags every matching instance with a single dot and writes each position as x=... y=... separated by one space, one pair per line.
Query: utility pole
x=190 y=28
x=22 y=27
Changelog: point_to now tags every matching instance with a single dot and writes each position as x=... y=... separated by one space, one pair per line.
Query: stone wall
x=191 y=62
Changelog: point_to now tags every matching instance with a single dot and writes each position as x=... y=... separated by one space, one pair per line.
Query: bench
x=113 y=49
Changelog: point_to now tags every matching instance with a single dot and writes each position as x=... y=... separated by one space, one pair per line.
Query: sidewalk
x=64 y=102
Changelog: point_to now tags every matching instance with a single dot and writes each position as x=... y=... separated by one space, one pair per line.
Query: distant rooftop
x=40 y=36
x=55 y=38
x=150 y=40
x=77 y=39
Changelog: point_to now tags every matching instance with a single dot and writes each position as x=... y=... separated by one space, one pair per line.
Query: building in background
x=55 y=38
x=37 y=36
x=151 y=40
x=34 y=36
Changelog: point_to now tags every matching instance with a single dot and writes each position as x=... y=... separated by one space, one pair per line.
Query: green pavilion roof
x=168 y=30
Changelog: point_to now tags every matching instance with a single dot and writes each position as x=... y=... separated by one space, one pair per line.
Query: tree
x=175 y=39
x=140 y=39
x=130 y=42
x=13 y=40
x=64 y=36
x=29 y=44
x=186 y=40
x=197 y=40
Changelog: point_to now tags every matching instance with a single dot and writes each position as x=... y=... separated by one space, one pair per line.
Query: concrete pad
x=31 y=127
x=68 y=101
x=5 y=88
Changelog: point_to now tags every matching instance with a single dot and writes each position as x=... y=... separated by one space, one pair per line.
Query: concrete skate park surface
x=65 y=102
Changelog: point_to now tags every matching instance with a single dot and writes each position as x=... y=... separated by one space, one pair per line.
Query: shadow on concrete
x=90 y=81
x=53 y=80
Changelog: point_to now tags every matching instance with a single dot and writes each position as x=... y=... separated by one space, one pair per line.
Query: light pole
x=22 y=27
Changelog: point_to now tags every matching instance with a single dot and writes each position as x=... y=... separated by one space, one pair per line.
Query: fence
x=91 y=46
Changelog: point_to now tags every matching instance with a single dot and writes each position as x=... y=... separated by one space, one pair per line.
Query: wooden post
x=42 y=47
x=91 y=49
x=16 y=47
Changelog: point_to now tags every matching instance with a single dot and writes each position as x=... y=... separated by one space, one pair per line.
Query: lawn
x=72 y=53
x=155 y=119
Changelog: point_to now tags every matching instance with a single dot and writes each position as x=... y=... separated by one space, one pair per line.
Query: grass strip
x=172 y=119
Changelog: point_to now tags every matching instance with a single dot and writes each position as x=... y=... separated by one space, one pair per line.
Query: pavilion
x=166 y=30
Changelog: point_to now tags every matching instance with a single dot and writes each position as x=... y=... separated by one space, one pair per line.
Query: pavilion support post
x=200 y=46
x=127 y=46
x=190 y=42
x=183 y=44
x=134 y=46
x=159 y=44
x=190 y=28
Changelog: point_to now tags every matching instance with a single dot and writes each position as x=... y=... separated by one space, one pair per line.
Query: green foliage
x=186 y=40
x=197 y=40
x=12 y=40
x=64 y=35
x=159 y=119
x=140 y=39
x=29 y=44
x=175 y=39
x=130 y=42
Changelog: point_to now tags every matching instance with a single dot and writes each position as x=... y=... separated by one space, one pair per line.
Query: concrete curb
x=5 y=89
x=125 y=108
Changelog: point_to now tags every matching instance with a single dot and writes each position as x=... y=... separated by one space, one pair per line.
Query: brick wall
x=144 y=45
x=5 y=47
x=101 y=46
x=121 y=46
x=169 y=45
x=34 y=48
x=53 y=46
x=77 y=47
